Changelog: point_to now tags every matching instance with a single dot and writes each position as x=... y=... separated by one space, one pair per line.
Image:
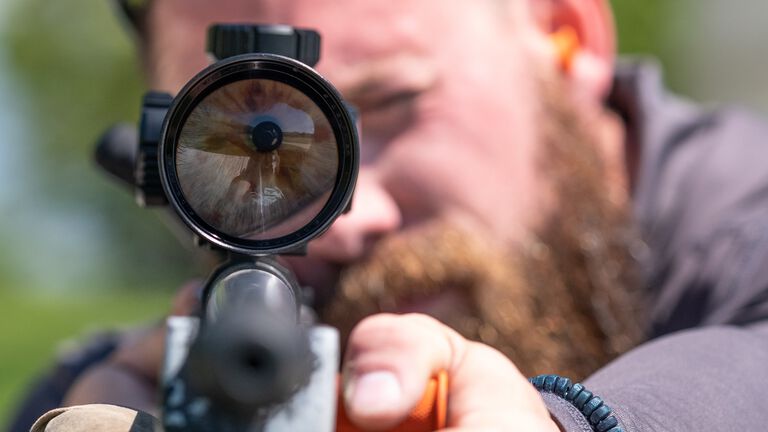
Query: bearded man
x=532 y=196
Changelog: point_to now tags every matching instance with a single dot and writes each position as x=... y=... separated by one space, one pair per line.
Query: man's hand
x=391 y=358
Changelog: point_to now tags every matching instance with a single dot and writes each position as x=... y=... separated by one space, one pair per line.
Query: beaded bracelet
x=598 y=414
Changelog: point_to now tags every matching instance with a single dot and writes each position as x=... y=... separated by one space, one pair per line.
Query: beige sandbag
x=96 y=418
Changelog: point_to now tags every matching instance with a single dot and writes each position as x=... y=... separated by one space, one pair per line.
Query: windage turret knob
x=149 y=187
x=228 y=40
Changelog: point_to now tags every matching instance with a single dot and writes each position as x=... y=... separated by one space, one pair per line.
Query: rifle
x=258 y=154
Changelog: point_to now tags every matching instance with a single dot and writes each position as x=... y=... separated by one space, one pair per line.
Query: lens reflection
x=257 y=159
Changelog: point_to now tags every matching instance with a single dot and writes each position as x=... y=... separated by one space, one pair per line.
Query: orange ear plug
x=567 y=44
x=429 y=415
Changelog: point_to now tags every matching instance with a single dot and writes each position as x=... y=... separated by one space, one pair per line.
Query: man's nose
x=374 y=214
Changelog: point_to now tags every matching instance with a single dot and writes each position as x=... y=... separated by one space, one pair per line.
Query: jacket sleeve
x=711 y=375
x=711 y=379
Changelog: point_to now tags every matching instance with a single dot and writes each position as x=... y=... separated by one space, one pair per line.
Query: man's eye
x=388 y=115
x=388 y=101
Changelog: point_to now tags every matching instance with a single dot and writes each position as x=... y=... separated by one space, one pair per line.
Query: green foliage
x=76 y=253
x=637 y=24
x=79 y=69
x=77 y=75
x=32 y=330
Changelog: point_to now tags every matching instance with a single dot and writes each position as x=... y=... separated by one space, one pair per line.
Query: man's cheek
x=431 y=175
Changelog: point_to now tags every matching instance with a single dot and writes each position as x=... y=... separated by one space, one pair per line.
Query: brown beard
x=567 y=301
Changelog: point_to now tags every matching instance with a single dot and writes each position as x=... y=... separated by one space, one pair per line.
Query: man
x=500 y=194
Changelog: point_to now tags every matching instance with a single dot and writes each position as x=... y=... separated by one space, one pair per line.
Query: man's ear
x=583 y=41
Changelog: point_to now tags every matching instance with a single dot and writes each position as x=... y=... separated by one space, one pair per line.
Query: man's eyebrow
x=403 y=73
x=363 y=87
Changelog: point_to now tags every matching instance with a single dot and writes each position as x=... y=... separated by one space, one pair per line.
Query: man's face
x=456 y=189
x=448 y=102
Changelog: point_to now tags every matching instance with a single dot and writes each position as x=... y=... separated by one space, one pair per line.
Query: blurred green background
x=77 y=254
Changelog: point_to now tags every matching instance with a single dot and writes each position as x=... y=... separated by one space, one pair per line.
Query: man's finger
x=390 y=359
x=388 y=363
x=487 y=392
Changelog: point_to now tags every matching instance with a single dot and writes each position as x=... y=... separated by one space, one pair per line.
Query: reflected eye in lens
x=257 y=159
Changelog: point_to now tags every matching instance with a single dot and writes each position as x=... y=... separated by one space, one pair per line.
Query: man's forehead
x=306 y=9
x=359 y=36
x=352 y=30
